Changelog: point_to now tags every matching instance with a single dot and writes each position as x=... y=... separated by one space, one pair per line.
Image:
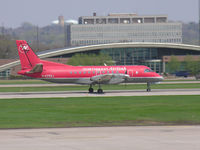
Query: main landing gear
x=99 y=91
x=148 y=87
x=91 y=90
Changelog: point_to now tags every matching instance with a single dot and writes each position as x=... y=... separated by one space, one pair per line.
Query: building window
x=5 y=73
x=113 y=20
x=88 y=21
x=137 y=20
x=125 y=20
x=101 y=21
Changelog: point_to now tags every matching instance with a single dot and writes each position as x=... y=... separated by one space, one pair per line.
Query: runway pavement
x=103 y=138
x=7 y=95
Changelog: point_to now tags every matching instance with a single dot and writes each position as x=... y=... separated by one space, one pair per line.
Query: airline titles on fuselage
x=111 y=68
x=91 y=69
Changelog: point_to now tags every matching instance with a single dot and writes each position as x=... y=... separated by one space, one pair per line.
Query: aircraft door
x=130 y=73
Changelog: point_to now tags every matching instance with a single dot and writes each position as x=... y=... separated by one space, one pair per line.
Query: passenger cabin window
x=148 y=70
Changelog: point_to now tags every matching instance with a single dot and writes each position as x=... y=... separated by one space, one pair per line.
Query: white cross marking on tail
x=23 y=48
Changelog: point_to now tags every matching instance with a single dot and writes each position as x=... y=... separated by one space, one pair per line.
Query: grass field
x=105 y=87
x=99 y=111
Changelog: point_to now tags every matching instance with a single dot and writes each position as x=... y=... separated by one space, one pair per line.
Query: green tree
x=90 y=59
x=174 y=64
x=192 y=66
x=8 y=47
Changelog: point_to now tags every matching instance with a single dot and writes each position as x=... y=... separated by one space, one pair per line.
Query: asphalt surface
x=103 y=138
x=7 y=95
x=55 y=84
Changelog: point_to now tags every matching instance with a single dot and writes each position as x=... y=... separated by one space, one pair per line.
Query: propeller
x=125 y=80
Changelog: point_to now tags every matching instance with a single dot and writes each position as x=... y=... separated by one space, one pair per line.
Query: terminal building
x=121 y=28
x=153 y=55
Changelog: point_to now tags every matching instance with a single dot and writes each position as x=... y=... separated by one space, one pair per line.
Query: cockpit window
x=148 y=70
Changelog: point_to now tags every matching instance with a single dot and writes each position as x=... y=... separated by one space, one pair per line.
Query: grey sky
x=42 y=12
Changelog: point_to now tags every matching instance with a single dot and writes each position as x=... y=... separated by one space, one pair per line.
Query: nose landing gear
x=148 y=87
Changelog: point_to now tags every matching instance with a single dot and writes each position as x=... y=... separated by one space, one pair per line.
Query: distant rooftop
x=122 y=14
x=122 y=18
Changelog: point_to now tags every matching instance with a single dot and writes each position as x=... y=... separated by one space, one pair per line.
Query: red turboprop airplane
x=33 y=66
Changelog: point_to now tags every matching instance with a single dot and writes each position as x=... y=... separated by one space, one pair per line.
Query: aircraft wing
x=109 y=78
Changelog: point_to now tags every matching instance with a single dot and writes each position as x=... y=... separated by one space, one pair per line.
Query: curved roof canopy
x=52 y=53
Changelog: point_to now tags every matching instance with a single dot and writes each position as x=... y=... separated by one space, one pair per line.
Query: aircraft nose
x=159 y=77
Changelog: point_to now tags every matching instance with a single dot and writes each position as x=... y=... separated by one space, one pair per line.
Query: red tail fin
x=27 y=57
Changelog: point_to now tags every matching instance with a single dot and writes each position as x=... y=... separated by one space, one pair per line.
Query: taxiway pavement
x=50 y=94
x=103 y=138
x=55 y=84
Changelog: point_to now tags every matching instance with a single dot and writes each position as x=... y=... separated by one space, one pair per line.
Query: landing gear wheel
x=100 y=91
x=148 y=90
x=91 y=90
x=148 y=87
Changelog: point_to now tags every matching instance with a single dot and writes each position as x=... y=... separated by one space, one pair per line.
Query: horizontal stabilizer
x=36 y=69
